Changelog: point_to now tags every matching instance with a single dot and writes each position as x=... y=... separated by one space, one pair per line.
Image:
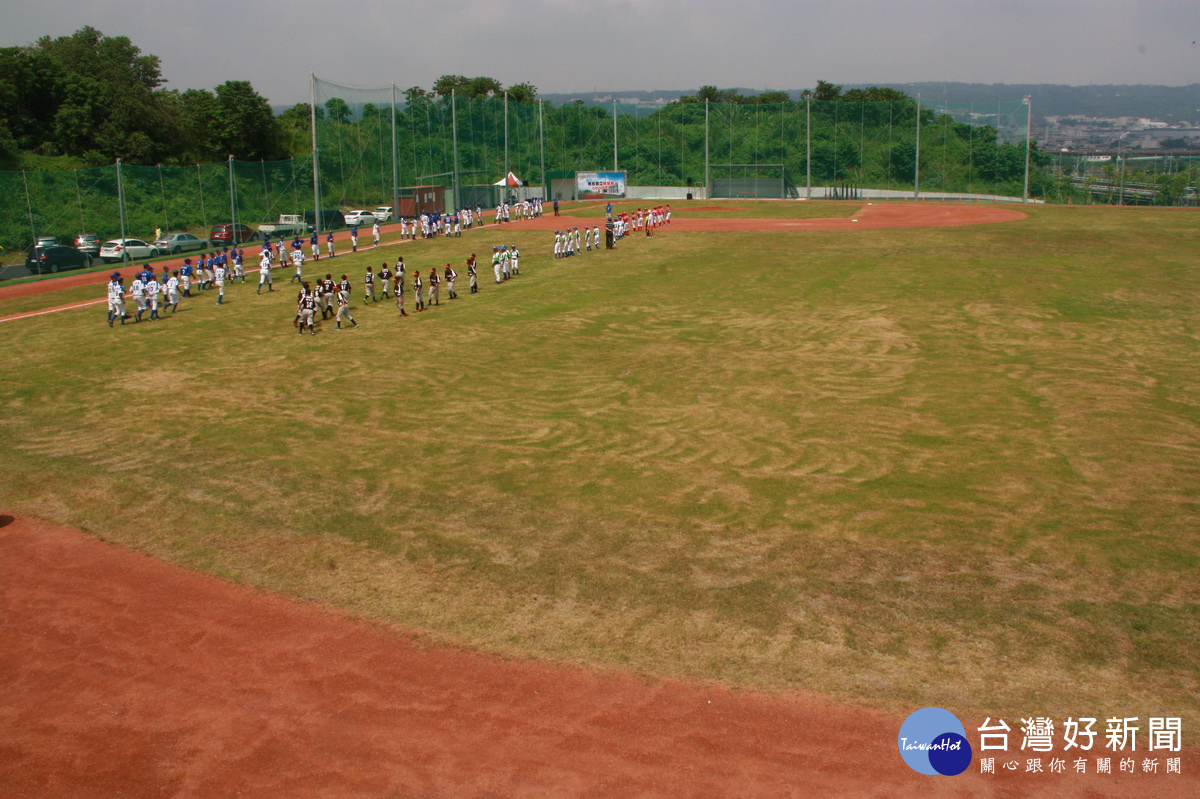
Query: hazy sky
x=581 y=45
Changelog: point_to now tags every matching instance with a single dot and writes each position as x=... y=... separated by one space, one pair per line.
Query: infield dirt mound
x=125 y=676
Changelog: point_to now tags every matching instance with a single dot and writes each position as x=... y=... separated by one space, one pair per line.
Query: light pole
x=1121 y=167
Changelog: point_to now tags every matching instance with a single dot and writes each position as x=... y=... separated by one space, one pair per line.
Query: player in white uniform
x=173 y=291
x=116 y=300
x=220 y=281
x=375 y=232
x=298 y=261
x=152 y=289
x=137 y=289
x=264 y=272
x=514 y=259
x=496 y=262
x=450 y=275
x=558 y=240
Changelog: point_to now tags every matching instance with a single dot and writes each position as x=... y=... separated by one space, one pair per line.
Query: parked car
x=88 y=243
x=360 y=218
x=44 y=260
x=133 y=249
x=383 y=213
x=46 y=241
x=176 y=243
x=331 y=219
x=230 y=234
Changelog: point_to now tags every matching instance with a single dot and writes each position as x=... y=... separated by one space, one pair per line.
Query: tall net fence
x=376 y=144
x=149 y=198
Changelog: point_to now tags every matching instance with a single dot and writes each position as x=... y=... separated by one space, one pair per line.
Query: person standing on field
x=473 y=274
x=450 y=276
x=369 y=286
x=434 y=288
x=385 y=279
x=417 y=297
x=375 y=232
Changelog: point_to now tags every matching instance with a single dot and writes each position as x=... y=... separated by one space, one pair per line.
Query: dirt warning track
x=125 y=676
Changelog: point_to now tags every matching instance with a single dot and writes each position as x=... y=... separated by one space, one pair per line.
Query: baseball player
x=137 y=289
x=450 y=275
x=325 y=291
x=173 y=291
x=496 y=262
x=185 y=277
x=473 y=274
x=375 y=232
x=354 y=238
x=219 y=277
x=417 y=291
x=314 y=244
x=369 y=287
x=514 y=258
x=343 y=300
x=385 y=279
x=306 y=306
x=116 y=299
x=264 y=272
x=152 y=289
x=329 y=243
x=399 y=281
x=434 y=288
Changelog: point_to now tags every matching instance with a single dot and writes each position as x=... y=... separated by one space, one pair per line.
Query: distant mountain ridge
x=1166 y=103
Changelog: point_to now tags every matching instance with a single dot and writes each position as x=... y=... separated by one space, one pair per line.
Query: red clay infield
x=125 y=676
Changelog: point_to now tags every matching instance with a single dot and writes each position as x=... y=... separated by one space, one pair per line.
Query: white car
x=133 y=249
x=360 y=218
x=383 y=213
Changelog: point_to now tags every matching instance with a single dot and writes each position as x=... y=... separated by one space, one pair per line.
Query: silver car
x=176 y=243
x=133 y=249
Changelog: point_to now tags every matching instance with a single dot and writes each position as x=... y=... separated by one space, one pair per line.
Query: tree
x=523 y=93
x=337 y=109
x=446 y=84
x=824 y=91
x=482 y=87
x=772 y=98
x=708 y=94
x=247 y=125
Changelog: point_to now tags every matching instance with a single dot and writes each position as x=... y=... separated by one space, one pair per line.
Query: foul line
x=15 y=317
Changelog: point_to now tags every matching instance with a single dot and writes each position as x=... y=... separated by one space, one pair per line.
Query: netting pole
x=395 y=162
x=266 y=191
x=1028 y=128
x=808 y=146
x=707 y=187
x=505 y=144
x=163 y=188
x=542 y=150
x=614 y=135
x=121 y=211
x=312 y=110
x=200 y=183
x=29 y=205
x=79 y=199
x=232 y=203
x=917 y=162
x=454 y=135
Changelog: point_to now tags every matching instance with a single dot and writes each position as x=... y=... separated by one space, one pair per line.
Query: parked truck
x=288 y=225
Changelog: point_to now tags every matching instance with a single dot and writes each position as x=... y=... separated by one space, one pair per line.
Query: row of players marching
x=506 y=263
x=570 y=241
x=147 y=291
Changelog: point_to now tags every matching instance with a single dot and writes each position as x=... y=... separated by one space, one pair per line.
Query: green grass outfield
x=955 y=466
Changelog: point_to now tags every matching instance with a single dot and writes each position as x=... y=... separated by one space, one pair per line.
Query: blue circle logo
x=933 y=741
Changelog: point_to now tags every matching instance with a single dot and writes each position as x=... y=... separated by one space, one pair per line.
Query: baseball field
x=888 y=456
